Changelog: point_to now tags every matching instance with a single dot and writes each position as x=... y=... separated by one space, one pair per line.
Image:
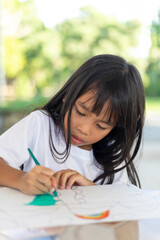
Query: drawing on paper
x=95 y=216
x=79 y=205
x=48 y=200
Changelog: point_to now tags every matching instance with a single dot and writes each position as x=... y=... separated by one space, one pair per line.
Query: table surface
x=147 y=229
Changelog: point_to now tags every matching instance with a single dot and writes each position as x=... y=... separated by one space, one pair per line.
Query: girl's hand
x=67 y=178
x=37 y=181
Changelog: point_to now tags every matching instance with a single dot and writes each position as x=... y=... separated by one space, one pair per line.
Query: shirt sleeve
x=16 y=140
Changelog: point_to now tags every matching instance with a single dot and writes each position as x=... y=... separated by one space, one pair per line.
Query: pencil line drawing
x=79 y=205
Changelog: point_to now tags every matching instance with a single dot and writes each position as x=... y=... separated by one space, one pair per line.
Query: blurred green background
x=37 y=59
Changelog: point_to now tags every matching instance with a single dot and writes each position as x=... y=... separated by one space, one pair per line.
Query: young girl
x=87 y=134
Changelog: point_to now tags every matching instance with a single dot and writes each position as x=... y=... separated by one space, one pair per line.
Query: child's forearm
x=37 y=181
x=9 y=176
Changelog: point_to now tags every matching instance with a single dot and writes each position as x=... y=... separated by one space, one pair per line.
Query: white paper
x=124 y=202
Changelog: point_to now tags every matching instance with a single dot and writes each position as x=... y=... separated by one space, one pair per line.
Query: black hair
x=115 y=80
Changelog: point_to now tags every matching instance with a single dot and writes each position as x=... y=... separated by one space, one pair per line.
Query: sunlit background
x=52 y=13
x=42 y=42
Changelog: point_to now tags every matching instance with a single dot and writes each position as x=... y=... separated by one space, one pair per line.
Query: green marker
x=33 y=157
x=37 y=163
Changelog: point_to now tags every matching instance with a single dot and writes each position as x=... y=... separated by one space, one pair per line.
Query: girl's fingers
x=76 y=178
x=57 y=177
x=66 y=179
x=36 y=188
x=62 y=176
x=54 y=183
x=45 y=180
x=36 y=182
x=37 y=191
x=79 y=180
x=44 y=170
x=42 y=178
x=42 y=187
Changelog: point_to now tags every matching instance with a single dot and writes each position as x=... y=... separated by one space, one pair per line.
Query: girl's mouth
x=76 y=140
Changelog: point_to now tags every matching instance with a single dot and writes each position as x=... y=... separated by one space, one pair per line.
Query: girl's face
x=86 y=127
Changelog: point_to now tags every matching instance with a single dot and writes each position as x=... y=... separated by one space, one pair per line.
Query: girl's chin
x=85 y=147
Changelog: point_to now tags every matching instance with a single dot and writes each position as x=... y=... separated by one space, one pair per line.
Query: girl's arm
x=37 y=181
x=9 y=176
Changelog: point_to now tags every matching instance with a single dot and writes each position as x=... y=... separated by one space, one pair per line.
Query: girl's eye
x=81 y=114
x=99 y=126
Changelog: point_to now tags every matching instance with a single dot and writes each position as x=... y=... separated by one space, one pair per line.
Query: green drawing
x=43 y=200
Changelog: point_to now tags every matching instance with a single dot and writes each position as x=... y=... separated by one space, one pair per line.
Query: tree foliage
x=153 y=70
x=40 y=58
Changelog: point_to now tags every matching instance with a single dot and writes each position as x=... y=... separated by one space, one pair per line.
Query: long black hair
x=115 y=80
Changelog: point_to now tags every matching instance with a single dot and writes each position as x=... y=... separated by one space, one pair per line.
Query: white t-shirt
x=33 y=132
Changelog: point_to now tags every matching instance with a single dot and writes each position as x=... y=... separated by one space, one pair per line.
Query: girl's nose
x=85 y=129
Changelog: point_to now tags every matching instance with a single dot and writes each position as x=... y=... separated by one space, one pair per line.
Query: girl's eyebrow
x=87 y=109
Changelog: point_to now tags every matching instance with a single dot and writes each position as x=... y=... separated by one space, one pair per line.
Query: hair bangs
x=99 y=99
x=115 y=111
